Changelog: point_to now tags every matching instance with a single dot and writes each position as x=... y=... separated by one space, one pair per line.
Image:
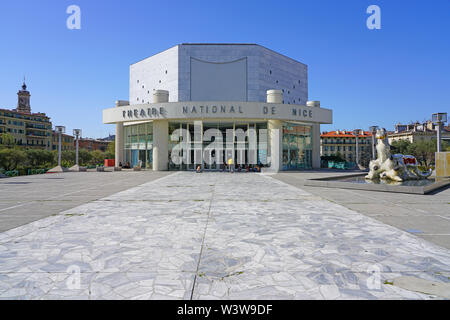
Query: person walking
x=230 y=164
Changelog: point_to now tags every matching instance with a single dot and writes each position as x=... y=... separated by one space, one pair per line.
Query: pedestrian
x=230 y=164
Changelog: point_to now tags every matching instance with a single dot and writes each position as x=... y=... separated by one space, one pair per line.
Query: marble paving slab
x=214 y=236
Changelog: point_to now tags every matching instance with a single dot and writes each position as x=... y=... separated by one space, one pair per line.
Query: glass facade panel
x=297 y=146
x=138 y=145
x=296 y=140
x=201 y=152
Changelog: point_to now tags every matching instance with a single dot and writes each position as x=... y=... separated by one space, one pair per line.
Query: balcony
x=31 y=126
x=33 y=135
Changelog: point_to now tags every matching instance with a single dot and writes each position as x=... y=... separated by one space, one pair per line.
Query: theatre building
x=204 y=104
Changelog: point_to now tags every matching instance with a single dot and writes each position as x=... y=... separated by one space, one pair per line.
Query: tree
x=68 y=157
x=111 y=150
x=39 y=157
x=11 y=158
x=400 y=146
x=339 y=157
x=7 y=140
x=334 y=157
x=98 y=157
x=84 y=157
x=423 y=150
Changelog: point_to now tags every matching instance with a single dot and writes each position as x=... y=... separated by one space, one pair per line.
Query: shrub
x=98 y=157
x=39 y=158
x=10 y=159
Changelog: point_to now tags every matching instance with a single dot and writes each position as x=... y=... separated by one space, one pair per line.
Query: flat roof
x=220 y=44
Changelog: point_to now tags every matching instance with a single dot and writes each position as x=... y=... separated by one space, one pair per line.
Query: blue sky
x=397 y=74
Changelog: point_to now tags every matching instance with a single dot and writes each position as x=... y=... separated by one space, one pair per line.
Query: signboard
x=216 y=110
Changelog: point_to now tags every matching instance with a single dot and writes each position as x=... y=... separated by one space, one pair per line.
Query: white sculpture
x=397 y=167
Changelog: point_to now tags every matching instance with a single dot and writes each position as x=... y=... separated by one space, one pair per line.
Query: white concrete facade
x=218 y=83
x=171 y=70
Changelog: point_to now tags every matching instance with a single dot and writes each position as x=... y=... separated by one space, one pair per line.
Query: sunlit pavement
x=214 y=236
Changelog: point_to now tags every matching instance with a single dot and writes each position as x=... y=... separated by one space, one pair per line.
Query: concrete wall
x=158 y=72
x=266 y=70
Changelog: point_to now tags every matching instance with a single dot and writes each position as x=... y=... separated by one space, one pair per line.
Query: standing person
x=230 y=164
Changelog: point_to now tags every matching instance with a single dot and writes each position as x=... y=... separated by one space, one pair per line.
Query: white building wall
x=282 y=73
x=158 y=72
x=266 y=70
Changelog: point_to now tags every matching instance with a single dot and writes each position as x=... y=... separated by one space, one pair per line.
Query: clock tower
x=23 y=101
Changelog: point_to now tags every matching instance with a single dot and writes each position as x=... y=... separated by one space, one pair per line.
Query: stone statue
x=397 y=167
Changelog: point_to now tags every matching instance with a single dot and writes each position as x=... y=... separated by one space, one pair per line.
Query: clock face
x=23 y=101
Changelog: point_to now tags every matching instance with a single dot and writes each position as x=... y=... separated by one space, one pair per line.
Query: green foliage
x=7 y=140
x=29 y=161
x=400 y=146
x=84 y=157
x=98 y=157
x=37 y=158
x=111 y=151
x=334 y=157
x=445 y=146
x=67 y=158
x=424 y=151
x=11 y=158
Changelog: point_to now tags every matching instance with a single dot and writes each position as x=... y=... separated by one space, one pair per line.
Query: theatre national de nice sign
x=221 y=109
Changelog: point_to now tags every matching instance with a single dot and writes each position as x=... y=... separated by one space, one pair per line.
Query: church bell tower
x=23 y=101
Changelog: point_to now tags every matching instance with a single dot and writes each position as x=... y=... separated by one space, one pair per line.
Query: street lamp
x=77 y=135
x=439 y=119
x=60 y=130
x=356 y=133
x=373 y=129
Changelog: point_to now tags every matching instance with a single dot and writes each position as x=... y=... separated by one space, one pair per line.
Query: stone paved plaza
x=214 y=236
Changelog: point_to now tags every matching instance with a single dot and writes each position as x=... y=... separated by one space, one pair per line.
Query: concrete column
x=76 y=151
x=160 y=145
x=119 y=143
x=275 y=128
x=438 y=136
x=160 y=135
x=59 y=148
x=315 y=128
x=315 y=146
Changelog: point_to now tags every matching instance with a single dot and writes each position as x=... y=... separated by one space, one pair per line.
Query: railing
x=31 y=126
x=12 y=173
x=36 y=135
x=36 y=171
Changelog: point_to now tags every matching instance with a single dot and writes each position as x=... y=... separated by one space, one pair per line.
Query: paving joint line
x=203 y=242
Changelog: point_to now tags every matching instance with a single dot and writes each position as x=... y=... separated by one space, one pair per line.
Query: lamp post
x=77 y=135
x=356 y=133
x=373 y=129
x=439 y=119
x=60 y=130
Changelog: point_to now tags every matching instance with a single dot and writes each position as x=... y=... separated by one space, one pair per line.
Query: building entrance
x=211 y=144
